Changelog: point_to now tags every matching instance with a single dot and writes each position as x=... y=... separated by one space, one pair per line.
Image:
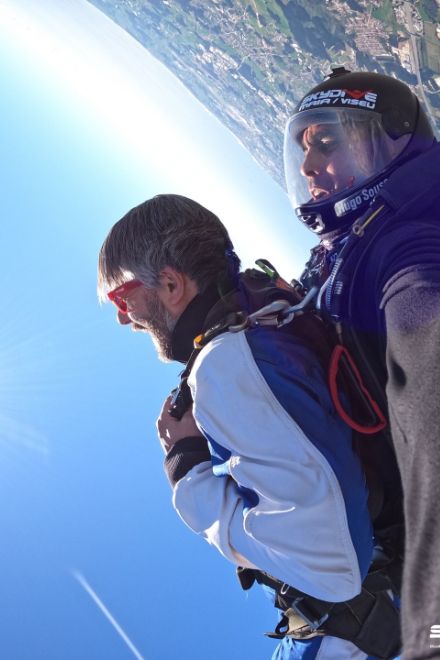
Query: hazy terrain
x=249 y=62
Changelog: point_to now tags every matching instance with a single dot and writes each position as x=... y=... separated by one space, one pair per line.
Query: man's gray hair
x=167 y=230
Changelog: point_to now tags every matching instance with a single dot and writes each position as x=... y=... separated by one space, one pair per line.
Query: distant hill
x=249 y=62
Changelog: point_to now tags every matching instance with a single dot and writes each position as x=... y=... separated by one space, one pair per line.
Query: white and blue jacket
x=278 y=486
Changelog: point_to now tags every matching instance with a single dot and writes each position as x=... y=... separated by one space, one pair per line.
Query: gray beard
x=161 y=333
x=160 y=326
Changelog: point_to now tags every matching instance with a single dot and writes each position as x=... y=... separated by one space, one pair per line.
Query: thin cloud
x=108 y=615
x=16 y=434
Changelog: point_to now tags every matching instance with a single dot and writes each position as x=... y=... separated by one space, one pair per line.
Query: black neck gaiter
x=191 y=323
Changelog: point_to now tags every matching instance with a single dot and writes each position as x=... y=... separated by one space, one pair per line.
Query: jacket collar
x=191 y=323
x=413 y=184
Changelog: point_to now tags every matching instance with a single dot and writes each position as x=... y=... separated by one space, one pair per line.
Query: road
x=415 y=63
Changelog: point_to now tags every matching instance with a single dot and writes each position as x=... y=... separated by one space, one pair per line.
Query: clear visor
x=331 y=150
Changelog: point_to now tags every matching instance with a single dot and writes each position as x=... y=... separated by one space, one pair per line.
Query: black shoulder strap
x=181 y=396
x=255 y=290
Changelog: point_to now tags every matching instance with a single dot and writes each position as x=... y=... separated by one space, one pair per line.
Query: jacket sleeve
x=412 y=316
x=268 y=498
x=411 y=305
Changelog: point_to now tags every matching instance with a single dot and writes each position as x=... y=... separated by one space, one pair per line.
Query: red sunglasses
x=118 y=295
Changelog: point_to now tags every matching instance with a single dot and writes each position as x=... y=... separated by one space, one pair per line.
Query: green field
x=386 y=14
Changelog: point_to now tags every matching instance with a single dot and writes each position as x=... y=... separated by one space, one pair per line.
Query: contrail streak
x=94 y=596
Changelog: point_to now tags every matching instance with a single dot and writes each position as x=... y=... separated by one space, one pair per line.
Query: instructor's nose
x=313 y=163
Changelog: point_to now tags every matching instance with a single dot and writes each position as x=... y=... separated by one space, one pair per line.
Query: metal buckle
x=308 y=615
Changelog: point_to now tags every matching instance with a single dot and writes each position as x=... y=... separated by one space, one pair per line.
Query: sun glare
x=140 y=108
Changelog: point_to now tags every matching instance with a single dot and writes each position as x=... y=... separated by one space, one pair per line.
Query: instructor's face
x=328 y=165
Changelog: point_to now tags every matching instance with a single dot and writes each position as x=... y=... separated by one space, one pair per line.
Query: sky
x=95 y=563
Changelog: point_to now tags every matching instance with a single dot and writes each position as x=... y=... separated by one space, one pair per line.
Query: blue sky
x=90 y=126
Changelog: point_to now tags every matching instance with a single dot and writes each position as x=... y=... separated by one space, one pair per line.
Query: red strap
x=335 y=359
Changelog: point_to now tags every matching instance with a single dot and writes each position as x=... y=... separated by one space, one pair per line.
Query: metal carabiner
x=299 y=308
x=269 y=314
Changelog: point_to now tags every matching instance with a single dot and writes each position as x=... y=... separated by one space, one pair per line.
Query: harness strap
x=279 y=313
x=181 y=395
x=370 y=620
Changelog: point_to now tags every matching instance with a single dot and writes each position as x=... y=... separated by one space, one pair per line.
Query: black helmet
x=344 y=140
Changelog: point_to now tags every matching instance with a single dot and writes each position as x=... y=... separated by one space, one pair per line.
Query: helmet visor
x=328 y=151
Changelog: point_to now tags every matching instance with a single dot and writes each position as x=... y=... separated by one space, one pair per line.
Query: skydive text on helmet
x=352 y=203
x=341 y=97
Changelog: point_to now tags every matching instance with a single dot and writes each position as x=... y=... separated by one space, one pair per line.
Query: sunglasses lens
x=117 y=296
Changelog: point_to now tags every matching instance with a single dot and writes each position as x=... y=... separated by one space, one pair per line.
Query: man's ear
x=171 y=285
x=176 y=290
